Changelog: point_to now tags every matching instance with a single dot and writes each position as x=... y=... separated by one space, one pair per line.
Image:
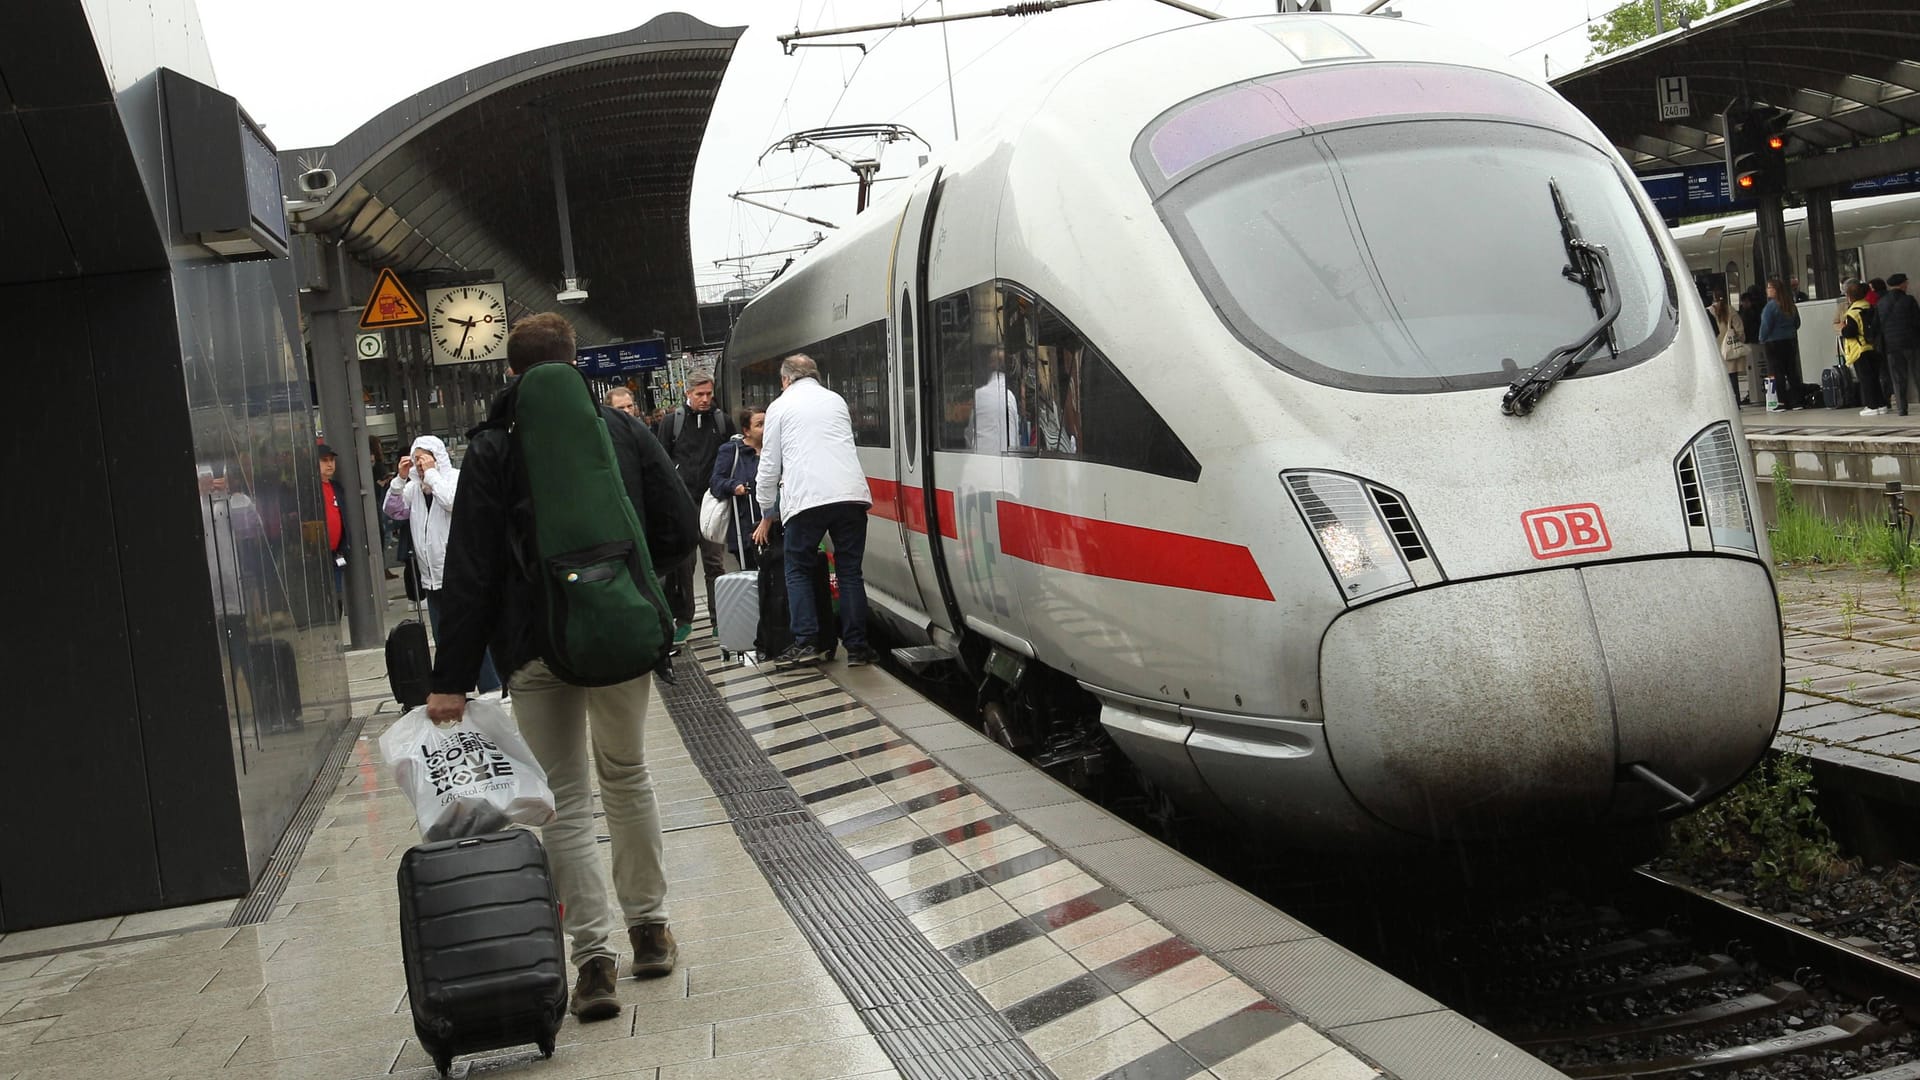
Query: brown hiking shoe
x=653 y=950
x=593 y=996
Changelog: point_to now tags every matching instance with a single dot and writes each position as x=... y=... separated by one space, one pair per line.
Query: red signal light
x=1746 y=180
x=1775 y=142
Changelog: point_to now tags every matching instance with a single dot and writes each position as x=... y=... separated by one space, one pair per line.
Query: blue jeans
x=847 y=524
x=489 y=679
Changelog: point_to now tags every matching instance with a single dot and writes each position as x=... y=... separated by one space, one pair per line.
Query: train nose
x=1516 y=705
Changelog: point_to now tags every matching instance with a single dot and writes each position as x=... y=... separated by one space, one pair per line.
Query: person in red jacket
x=333 y=500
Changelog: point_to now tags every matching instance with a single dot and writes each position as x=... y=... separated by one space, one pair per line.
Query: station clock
x=468 y=323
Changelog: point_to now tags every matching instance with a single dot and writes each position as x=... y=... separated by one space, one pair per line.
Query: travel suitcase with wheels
x=1830 y=393
x=736 y=598
x=736 y=610
x=409 y=661
x=776 y=631
x=480 y=936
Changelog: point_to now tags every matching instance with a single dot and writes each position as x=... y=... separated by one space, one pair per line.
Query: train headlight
x=1365 y=533
x=1713 y=492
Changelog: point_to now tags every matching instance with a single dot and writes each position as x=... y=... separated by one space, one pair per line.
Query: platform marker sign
x=1671 y=90
x=390 y=305
x=370 y=346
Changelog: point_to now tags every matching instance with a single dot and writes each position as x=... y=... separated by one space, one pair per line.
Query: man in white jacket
x=422 y=495
x=811 y=475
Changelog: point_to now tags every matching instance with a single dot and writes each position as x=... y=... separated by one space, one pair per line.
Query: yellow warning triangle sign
x=390 y=305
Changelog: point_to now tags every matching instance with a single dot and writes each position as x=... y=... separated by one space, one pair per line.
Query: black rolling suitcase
x=409 y=661
x=775 y=632
x=1831 y=394
x=480 y=935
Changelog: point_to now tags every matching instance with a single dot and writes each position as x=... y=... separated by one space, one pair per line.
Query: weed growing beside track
x=1802 y=536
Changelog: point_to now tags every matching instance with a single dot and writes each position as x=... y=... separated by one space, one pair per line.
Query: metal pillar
x=1770 y=240
x=343 y=415
x=1825 y=251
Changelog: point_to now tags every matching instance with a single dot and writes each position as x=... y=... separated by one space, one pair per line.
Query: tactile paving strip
x=925 y=1015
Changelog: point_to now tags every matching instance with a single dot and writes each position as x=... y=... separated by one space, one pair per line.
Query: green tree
x=1633 y=21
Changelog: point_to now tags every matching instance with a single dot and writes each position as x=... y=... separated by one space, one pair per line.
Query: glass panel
x=909 y=369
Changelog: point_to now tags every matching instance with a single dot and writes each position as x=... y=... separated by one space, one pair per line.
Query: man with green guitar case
x=568 y=513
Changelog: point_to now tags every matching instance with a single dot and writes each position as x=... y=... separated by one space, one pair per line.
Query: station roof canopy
x=1843 y=67
x=458 y=177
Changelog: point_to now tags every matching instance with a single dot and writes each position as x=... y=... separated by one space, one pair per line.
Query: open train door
x=917 y=505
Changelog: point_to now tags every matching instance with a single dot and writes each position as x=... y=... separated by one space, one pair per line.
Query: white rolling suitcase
x=736 y=599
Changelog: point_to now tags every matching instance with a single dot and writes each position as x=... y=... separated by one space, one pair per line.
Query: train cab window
x=1352 y=245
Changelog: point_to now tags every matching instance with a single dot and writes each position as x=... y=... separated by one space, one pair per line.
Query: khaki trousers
x=554 y=717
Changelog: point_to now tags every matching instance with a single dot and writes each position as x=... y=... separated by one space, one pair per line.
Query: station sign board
x=1703 y=189
x=621 y=357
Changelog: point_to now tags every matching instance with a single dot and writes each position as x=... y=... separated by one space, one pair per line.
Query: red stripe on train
x=900 y=502
x=1128 y=552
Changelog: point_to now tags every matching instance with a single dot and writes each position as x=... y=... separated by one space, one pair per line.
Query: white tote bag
x=713 y=518
x=476 y=776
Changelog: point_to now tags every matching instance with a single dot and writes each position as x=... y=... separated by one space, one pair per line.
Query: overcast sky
x=312 y=72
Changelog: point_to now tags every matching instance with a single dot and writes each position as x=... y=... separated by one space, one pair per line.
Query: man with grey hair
x=810 y=475
x=693 y=435
x=621 y=398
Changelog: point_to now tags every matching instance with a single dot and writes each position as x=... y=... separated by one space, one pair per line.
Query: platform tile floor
x=316 y=990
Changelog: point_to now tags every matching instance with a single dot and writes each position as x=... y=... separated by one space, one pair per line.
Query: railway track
x=1656 y=979
x=1632 y=976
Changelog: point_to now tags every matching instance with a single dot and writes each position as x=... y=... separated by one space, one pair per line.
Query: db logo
x=1554 y=531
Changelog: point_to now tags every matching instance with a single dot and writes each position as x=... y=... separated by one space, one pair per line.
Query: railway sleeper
x=1626 y=948
x=1850 y=1031
x=1909 y=1071
x=1708 y=969
x=1735 y=1010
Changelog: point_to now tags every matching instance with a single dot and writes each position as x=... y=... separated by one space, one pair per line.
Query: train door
x=917 y=504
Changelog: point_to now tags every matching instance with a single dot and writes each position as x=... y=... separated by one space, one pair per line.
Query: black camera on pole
x=1756 y=148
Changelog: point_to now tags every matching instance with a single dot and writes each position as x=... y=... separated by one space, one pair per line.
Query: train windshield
x=1382 y=254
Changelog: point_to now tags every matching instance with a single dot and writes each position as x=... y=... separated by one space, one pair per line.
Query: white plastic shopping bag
x=464 y=779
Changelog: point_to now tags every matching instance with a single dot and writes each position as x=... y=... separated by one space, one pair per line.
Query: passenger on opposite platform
x=1779 y=330
x=692 y=435
x=1900 y=333
x=810 y=472
x=1751 y=302
x=1733 y=349
x=1856 y=344
x=734 y=470
x=422 y=495
x=488 y=597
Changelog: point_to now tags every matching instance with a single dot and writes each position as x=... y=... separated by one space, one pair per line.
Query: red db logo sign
x=1554 y=531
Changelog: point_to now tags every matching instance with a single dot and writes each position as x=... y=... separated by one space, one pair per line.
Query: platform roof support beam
x=1772 y=238
x=1823 y=250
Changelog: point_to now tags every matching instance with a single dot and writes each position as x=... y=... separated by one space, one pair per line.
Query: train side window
x=1084 y=408
x=867 y=399
x=970 y=365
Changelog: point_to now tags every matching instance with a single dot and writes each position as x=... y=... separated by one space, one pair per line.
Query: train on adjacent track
x=1876 y=236
x=1306 y=405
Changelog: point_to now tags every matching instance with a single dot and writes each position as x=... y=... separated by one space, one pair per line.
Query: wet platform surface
x=861 y=886
x=1852 y=697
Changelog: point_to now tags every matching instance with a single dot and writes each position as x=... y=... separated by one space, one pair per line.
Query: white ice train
x=1201 y=404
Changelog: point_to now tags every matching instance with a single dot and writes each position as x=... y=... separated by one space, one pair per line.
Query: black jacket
x=692 y=440
x=487 y=598
x=1899 y=320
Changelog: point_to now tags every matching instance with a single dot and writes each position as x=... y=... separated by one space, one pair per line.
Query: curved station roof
x=1844 y=68
x=459 y=177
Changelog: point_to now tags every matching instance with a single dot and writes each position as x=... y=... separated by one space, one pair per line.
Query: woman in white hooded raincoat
x=422 y=495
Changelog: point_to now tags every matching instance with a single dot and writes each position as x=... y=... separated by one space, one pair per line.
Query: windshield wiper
x=1590 y=267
